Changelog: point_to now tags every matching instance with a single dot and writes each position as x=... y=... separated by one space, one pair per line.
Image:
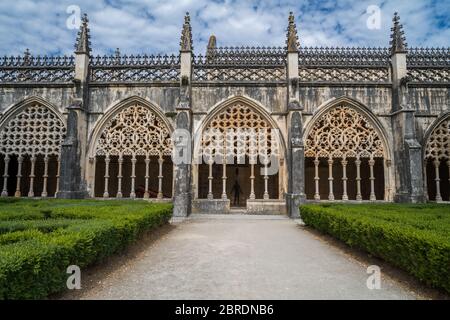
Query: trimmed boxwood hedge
x=40 y=239
x=415 y=238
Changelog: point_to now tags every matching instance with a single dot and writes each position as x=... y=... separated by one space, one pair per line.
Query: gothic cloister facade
x=335 y=124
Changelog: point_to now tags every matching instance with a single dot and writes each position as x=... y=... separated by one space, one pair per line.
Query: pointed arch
x=130 y=152
x=146 y=109
x=32 y=127
x=436 y=155
x=239 y=138
x=437 y=139
x=356 y=108
x=31 y=134
x=254 y=106
x=347 y=155
x=11 y=110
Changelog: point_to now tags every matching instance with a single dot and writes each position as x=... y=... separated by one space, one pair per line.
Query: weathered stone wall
x=430 y=103
x=59 y=97
x=273 y=98
x=376 y=98
x=430 y=100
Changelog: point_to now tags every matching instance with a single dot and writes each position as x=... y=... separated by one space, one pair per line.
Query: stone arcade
x=348 y=124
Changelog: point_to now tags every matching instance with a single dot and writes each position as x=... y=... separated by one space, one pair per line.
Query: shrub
x=414 y=238
x=35 y=254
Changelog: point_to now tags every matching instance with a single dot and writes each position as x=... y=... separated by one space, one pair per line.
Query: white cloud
x=153 y=26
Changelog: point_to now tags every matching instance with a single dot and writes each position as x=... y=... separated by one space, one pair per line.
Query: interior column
x=358 y=179
x=344 y=179
x=437 y=180
x=44 y=193
x=316 y=178
x=372 y=180
x=330 y=179
x=5 y=177
x=19 y=176
x=120 y=177
x=133 y=177
x=106 y=193
x=32 y=176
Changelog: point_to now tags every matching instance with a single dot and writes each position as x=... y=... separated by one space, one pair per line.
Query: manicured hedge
x=40 y=239
x=415 y=238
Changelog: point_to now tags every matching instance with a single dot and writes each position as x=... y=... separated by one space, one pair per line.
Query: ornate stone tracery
x=343 y=132
x=236 y=132
x=437 y=154
x=36 y=130
x=438 y=144
x=135 y=131
x=239 y=118
x=33 y=133
x=340 y=135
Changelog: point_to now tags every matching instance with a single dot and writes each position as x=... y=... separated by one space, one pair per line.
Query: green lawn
x=39 y=239
x=415 y=238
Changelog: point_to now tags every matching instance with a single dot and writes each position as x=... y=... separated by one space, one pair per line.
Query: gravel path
x=242 y=257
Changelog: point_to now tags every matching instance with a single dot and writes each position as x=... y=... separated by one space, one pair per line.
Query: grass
x=415 y=238
x=39 y=239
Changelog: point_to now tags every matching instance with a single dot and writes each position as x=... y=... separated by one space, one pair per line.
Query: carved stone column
x=296 y=151
x=296 y=166
x=72 y=184
x=408 y=160
x=182 y=153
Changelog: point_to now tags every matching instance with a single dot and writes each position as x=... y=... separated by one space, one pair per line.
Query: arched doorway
x=240 y=152
x=345 y=156
x=132 y=154
x=30 y=140
x=437 y=161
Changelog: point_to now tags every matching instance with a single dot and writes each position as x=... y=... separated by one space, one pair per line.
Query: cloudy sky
x=154 y=26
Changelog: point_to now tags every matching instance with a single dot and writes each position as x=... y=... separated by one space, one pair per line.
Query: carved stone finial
x=83 y=44
x=186 y=34
x=292 y=37
x=398 y=41
x=117 y=55
x=212 y=45
x=26 y=56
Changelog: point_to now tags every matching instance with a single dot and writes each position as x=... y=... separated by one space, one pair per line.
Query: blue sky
x=154 y=26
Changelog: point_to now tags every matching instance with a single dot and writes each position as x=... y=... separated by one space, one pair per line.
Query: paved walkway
x=242 y=257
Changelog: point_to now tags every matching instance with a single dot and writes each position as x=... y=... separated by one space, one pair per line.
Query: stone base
x=210 y=206
x=182 y=205
x=293 y=201
x=407 y=198
x=72 y=195
x=259 y=206
x=262 y=206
